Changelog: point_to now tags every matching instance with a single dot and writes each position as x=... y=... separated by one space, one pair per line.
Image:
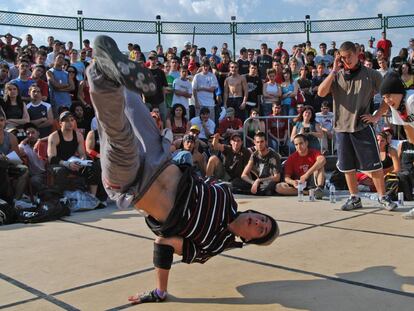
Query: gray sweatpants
x=133 y=152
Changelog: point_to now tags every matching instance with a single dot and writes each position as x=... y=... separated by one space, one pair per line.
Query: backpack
x=50 y=206
x=338 y=180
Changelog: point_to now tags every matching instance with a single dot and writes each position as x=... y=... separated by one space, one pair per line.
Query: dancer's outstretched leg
x=134 y=152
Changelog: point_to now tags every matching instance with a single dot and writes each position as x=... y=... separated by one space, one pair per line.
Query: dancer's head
x=257 y=228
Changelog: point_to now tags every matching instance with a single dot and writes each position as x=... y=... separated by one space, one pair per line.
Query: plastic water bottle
x=332 y=194
x=311 y=195
x=300 y=192
x=401 y=198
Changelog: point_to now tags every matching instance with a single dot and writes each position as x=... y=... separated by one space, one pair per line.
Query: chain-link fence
x=232 y=28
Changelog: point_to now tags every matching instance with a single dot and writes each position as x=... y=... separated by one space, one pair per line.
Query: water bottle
x=332 y=194
x=311 y=195
x=400 y=198
x=300 y=192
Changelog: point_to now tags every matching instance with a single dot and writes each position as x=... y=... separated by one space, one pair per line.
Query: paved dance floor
x=324 y=260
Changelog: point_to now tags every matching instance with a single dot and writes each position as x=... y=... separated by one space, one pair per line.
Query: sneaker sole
x=118 y=67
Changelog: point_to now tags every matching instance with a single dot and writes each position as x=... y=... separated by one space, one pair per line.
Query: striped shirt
x=210 y=209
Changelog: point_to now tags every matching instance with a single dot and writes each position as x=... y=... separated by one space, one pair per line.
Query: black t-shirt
x=265 y=166
x=243 y=66
x=264 y=62
x=234 y=163
x=255 y=88
x=160 y=81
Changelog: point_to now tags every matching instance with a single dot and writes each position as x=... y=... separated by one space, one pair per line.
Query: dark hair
x=174 y=107
x=304 y=137
x=287 y=70
x=260 y=134
x=41 y=52
x=307 y=107
x=86 y=41
x=400 y=68
x=347 y=46
x=7 y=101
x=271 y=235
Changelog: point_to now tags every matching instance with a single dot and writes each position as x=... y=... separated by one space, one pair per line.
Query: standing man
x=235 y=92
x=324 y=58
x=157 y=100
x=352 y=88
x=243 y=62
x=264 y=61
x=204 y=85
x=254 y=88
x=9 y=40
x=385 y=44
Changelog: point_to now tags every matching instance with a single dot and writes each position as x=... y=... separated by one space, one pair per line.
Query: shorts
x=358 y=151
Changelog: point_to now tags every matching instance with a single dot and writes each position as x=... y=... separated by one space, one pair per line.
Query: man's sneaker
x=409 y=214
x=351 y=204
x=116 y=66
x=318 y=193
x=387 y=203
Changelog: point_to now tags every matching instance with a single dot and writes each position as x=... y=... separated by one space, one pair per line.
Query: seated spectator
x=307 y=126
x=289 y=91
x=62 y=145
x=200 y=145
x=306 y=166
x=406 y=75
x=197 y=159
x=37 y=74
x=93 y=150
x=177 y=121
x=253 y=125
x=156 y=115
x=18 y=173
x=262 y=172
x=74 y=94
x=14 y=108
x=383 y=67
x=278 y=130
x=235 y=158
x=316 y=81
x=230 y=124
x=389 y=159
x=4 y=78
x=325 y=120
x=23 y=81
x=36 y=165
x=204 y=123
x=182 y=89
x=271 y=92
x=401 y=58
x=40 y=113
x=83 y=124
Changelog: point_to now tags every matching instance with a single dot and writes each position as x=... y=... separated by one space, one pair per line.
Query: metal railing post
x=308 y=27
x=158 y=28
x=80 y=27
x=233 y=32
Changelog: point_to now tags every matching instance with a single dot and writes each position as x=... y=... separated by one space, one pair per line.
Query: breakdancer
x=191 y=217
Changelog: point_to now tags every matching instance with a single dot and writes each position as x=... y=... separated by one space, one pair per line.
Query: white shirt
x=184 y=86
x=325 y=120
x=202 y=80
x=210 y=126
x=409 y=105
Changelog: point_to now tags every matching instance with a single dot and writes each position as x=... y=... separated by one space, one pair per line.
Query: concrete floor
x=325 y=260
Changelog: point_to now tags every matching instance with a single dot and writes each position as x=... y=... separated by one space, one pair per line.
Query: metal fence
x=232 y=28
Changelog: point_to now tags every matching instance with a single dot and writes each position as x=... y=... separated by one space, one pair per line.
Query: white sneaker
x=409 y=214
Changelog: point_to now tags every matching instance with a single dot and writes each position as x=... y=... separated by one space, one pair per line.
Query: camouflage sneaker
x=351 y=204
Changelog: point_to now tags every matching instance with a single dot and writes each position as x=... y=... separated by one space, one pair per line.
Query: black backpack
x=338 y=180
x=51 y=205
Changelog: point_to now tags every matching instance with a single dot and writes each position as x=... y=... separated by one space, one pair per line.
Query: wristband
x=93 y=154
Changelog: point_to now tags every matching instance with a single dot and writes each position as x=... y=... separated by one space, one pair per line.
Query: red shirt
x=296 y=165
x=226 y=123
x=386 y=46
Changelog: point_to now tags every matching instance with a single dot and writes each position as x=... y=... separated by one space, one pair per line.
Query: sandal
x=118 y=68
x=150 y=296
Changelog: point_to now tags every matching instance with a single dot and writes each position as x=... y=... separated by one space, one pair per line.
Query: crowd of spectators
x=266 y=97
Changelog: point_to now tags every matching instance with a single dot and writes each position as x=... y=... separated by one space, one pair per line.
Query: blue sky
x=215 y=10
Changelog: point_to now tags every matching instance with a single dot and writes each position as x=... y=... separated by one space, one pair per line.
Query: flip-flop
x=117 y=67
x=150 y=296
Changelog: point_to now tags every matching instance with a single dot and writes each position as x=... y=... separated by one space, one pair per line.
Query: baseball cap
x=65 y=115
x=194 y=128
x=187 y=43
